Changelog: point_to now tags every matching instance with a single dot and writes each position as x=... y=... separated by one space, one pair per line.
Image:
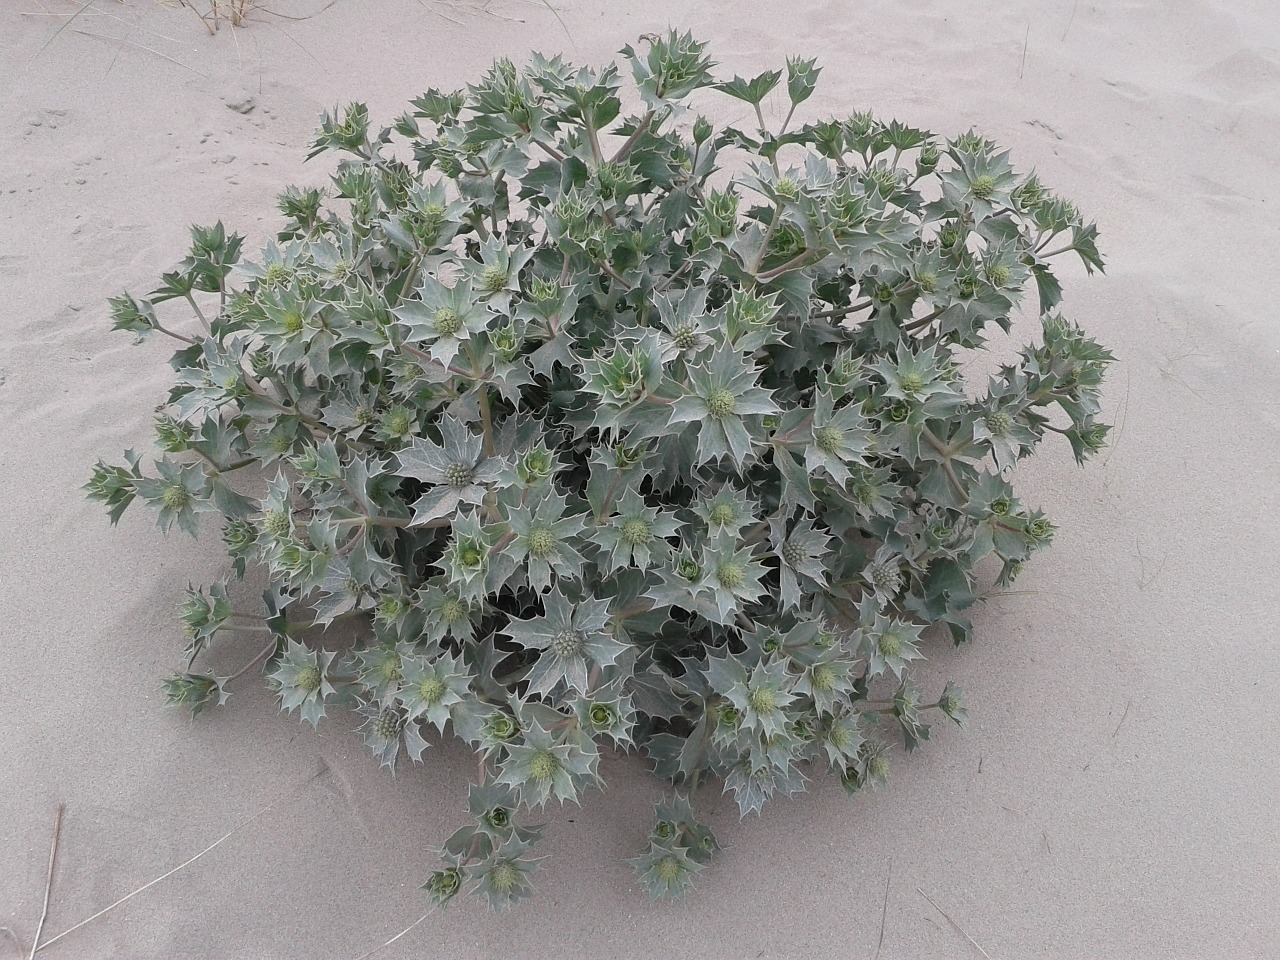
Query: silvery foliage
x=608 y=428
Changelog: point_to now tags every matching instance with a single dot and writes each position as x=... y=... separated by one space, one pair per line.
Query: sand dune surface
x=1116 y=793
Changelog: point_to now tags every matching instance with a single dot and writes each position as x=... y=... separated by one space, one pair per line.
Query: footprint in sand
x=1246 y=74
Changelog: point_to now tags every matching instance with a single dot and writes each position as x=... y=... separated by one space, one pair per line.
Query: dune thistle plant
x=600 y=427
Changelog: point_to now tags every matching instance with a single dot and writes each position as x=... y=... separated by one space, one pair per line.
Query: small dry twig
x=954 y=925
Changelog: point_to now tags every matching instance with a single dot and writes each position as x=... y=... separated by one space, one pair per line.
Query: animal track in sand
x=43 y=121
x=1044 y=126
x=11 y=263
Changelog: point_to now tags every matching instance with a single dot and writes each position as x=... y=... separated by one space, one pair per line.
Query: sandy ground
x=1117 y=792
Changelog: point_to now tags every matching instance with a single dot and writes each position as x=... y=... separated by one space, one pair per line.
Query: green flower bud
x=542 y=542
x=685 y=338
x=389 y=724
x=494 y=279
x=446 y=322
x=542 y=291
x=669 y=869
x=983 y=186
x=624 y=457
x=762 y=700
x=452 y=610
x=390 y=608
x=731 y=574
x=721 y=403
x=535 y=465
x=999 y=423
x=309 y=679
x=602 y=715
x=432 y=690
x=723 y=514
x=543 y=766
x=689 y=570
x=277 y=523
x=175 y=497
x=823 y=677
x=459 y=474
x=443 y=885
x=636 y=532
x=172 y=435
x=861 y=123
x=567 y=643
x=504 y=876
x=501 y=726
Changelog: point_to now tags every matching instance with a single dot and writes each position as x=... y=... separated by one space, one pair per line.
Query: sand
x=1116 y=792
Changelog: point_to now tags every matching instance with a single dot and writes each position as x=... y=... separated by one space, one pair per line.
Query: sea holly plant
x=563 y=421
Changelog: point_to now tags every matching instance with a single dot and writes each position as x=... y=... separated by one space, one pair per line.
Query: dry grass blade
x=884 y=910
x=383 y=946
x=70 y=20
x=285 y=16
x=142 y=46
x=37 y=946
x=48 y=880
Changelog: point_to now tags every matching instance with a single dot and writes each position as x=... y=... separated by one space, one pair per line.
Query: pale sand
x=1116 y=794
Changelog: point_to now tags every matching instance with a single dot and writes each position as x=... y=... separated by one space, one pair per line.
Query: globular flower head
x=386 y=729
x=890 y=644
x=443 y=317
x=636 y=535
x=429 y=688
x=572 y=637
x=456 y=469
x=666 y=872
x=302 y=676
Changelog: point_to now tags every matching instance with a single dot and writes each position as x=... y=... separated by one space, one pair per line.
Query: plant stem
x=486 y=419
x=199 y=313
x=177 y=336
x=773 y=158
x=635 y=136
x=794 y=263
x=787 y=122
x=410 y=279
x=593 y=138
x=1054 y=253
x=261 y=655
x=841 y=311
x=764 y=243
x=923 y=321
x=551 y=151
